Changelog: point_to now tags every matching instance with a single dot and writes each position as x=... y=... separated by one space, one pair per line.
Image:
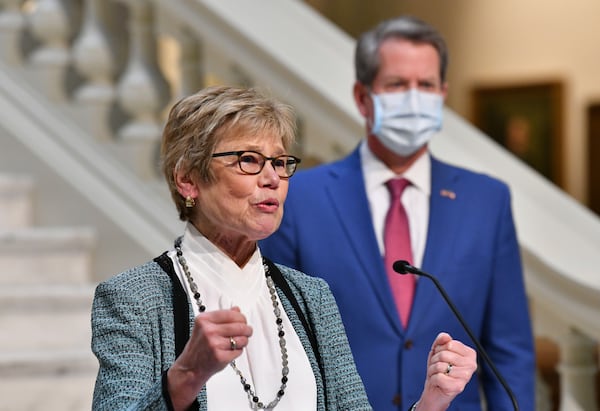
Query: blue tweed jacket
x=133 y=339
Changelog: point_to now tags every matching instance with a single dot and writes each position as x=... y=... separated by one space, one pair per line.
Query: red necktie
x=397 y=247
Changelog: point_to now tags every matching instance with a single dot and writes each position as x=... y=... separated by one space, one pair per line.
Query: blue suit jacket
x=471 y=248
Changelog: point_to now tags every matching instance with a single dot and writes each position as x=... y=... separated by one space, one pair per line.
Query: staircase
x=45 y=299
x=84 y=88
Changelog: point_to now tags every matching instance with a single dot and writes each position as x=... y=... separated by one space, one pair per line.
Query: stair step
x=46 y=255
x=44 y=319
x=62 y=296
x=16 y=201
x=47 y=363
x=61 y=391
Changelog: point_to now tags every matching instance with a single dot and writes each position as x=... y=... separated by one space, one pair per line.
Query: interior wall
x=507 y=43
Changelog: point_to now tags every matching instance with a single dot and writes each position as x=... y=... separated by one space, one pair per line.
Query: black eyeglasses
x=252 y=162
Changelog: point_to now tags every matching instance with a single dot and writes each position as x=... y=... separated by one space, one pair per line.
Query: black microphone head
x=401 y=267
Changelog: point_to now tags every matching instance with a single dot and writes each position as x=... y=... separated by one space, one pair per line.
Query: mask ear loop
x=377 y=111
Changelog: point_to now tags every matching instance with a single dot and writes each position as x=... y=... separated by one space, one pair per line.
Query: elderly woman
x=212 y=324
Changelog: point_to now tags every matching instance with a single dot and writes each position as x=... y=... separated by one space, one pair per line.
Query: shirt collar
x=205 y=257
x=376 y=173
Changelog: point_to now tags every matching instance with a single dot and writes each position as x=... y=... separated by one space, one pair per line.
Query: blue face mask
x=405 y=122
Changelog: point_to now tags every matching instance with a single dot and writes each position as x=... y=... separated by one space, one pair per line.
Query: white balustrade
x=94 y=60
x=49 y=24
x=12 y=23
x=578 y=368
x=142 y=90
x=191 y=59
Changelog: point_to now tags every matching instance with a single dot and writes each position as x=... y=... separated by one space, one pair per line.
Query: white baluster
x=93 y=59
x=50 y=25
x=542 y=394
x=142 y=90
x=11 y=28
x=577 y=369
x=192 y=70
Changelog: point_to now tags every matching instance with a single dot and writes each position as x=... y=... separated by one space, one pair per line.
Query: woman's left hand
x=450 y=366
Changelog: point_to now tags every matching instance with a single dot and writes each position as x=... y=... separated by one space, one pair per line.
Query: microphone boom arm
x=403 y=267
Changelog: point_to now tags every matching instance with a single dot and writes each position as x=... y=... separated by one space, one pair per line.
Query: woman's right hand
x=207 y=352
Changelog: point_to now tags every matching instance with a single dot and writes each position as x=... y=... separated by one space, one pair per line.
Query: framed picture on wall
x=527 y=119
x=593 y=144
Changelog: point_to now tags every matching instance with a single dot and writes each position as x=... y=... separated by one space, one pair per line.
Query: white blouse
x=222 y=285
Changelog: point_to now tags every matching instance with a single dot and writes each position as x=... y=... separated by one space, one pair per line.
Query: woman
x=258 y=335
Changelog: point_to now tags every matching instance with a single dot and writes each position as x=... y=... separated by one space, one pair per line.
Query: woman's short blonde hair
x=197 y=123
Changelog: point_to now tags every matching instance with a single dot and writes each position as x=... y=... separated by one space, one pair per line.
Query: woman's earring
x=190 y=202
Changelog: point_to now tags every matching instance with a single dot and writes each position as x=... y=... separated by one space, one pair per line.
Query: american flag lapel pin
x=447 y=193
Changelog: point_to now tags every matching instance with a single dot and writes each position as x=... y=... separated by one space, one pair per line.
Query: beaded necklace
x=253 y=399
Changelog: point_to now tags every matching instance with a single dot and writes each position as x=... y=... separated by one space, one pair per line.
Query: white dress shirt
x=415 y=198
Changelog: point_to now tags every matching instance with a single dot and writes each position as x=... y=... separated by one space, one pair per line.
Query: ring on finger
x=232 y=344
x=448 y=368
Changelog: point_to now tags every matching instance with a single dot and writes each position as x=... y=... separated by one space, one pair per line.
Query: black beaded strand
x=186 y=270
x=253 y=399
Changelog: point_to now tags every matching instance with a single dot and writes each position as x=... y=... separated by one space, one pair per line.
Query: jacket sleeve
x=509 y=343
x=345 y=389
x=124 y=342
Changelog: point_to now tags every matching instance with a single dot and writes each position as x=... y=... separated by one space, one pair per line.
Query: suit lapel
x=346 y=190
x=444 y=225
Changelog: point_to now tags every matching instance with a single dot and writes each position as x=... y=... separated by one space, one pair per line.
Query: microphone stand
x=403 y=267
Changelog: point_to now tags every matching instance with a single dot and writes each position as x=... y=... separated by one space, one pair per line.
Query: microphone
x=403 y=267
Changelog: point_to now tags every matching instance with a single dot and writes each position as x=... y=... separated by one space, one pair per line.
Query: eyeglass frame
x=239 y=154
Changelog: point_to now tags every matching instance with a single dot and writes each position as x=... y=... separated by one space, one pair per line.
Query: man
x=460 y=223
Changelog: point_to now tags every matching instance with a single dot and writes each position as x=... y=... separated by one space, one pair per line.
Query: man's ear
x=445 y=90
x=362 y=98
x=186 y=186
